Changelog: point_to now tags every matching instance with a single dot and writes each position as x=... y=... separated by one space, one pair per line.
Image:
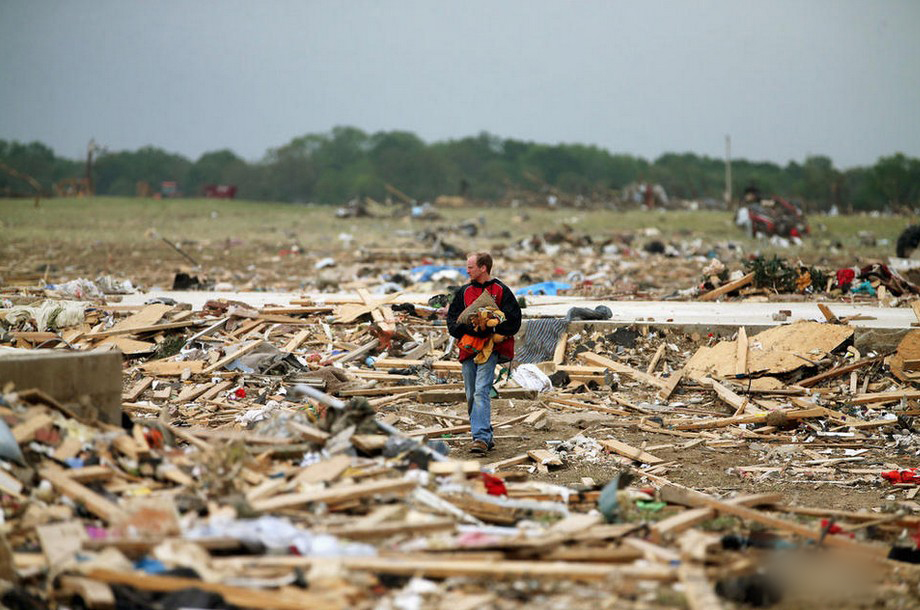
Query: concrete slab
x=88 y=382
x=680 y=313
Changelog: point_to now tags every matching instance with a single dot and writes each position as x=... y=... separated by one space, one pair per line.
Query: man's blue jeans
x=478 y=381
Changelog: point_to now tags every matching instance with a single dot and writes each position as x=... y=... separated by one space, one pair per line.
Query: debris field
x=313 y=453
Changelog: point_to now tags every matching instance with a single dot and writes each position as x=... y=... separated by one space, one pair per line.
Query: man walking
x=484 y=316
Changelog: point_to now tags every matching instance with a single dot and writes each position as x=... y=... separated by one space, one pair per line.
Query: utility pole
x=728 y=172
x=90 y=149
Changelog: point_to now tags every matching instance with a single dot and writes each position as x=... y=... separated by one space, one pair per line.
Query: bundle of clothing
x=483 y=319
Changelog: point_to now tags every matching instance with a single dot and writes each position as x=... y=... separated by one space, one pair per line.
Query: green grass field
x=124 y=221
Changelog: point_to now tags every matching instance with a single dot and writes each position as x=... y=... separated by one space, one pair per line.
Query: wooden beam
x=686 y=519
x=836 y=372
x=143 y=329
x=712 y=295
x=287 y=598
x=231 y=357
x=618 y=367
x=741 y=352
x=94 y=503
x=631 y=452
x=339 y=493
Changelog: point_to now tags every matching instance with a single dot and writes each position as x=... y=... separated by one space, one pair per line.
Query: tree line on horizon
x=348 y=163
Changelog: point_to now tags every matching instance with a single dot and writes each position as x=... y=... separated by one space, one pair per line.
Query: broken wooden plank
x=884 y=397
x=750 y=514
x=287 y=598
x=231 y=357
x=629 y=451
x=723 y=422
x=94 y=503
x=838 y=371
x=25 y=432
x=654 y=362
x=168 y=368
x=671 y=384
x=699 y=592
x=296 y=341
x=544 y=457
x=724 y=289
x=828 y=314
x=385 y=530
x=618 y=367
x=335 y=494
x=458 y=395
x=686 y=519
x=741 y=355
x=137 y=389
x=144 y=329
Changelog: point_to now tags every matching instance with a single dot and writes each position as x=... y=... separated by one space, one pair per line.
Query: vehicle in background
x=220 y=191
x=768 y=216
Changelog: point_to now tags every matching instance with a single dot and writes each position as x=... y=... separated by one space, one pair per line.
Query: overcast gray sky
x=786 y=78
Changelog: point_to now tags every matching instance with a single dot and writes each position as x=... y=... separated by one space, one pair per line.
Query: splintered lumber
x=449 y=467
x=173 y=367
x=287 y=598
x=735 y=401
x=512 y=461
x=459 y=395
x=806 y=532
x=502 y=569
x=724 y=289
x=403 y=363
x=94 y=503
x=723 y=422
x=296 y=341
x=586 y=406
x=25 y=432
x=618 y=367
x=358 y=352
x=544 y=457
x=779 y=349
x=149 y=315
x=332 y=495
x=698 y=590
x=143 y=329
x=399 y=389
x=684 y=520
x=884 y=397
x=629 y=451
x=94 y=594
x=828 y=314
x=215 y=390
x=671 y=384
x=314 y=435
x=385 y=530
x=137 y=389
x=741 y=355
x=654 y=362
x=559 y=352
x=323 y=471
x=231 y=357
x=837 y=372
x=461 y=428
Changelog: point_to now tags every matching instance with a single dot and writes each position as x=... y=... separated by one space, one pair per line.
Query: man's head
x=479 y=267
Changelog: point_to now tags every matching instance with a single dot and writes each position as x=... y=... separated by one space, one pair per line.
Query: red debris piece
x=902 y=476
x=494 y=485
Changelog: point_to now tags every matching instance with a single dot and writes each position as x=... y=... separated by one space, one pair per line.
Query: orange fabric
x=473 y=344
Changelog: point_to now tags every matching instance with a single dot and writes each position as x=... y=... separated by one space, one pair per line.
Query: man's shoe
x=479 y=447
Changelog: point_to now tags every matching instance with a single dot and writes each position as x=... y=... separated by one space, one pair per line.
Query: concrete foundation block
x=88 y=382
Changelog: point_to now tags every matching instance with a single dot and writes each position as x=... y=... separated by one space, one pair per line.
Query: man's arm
x=512 y=310
x=456 y=329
